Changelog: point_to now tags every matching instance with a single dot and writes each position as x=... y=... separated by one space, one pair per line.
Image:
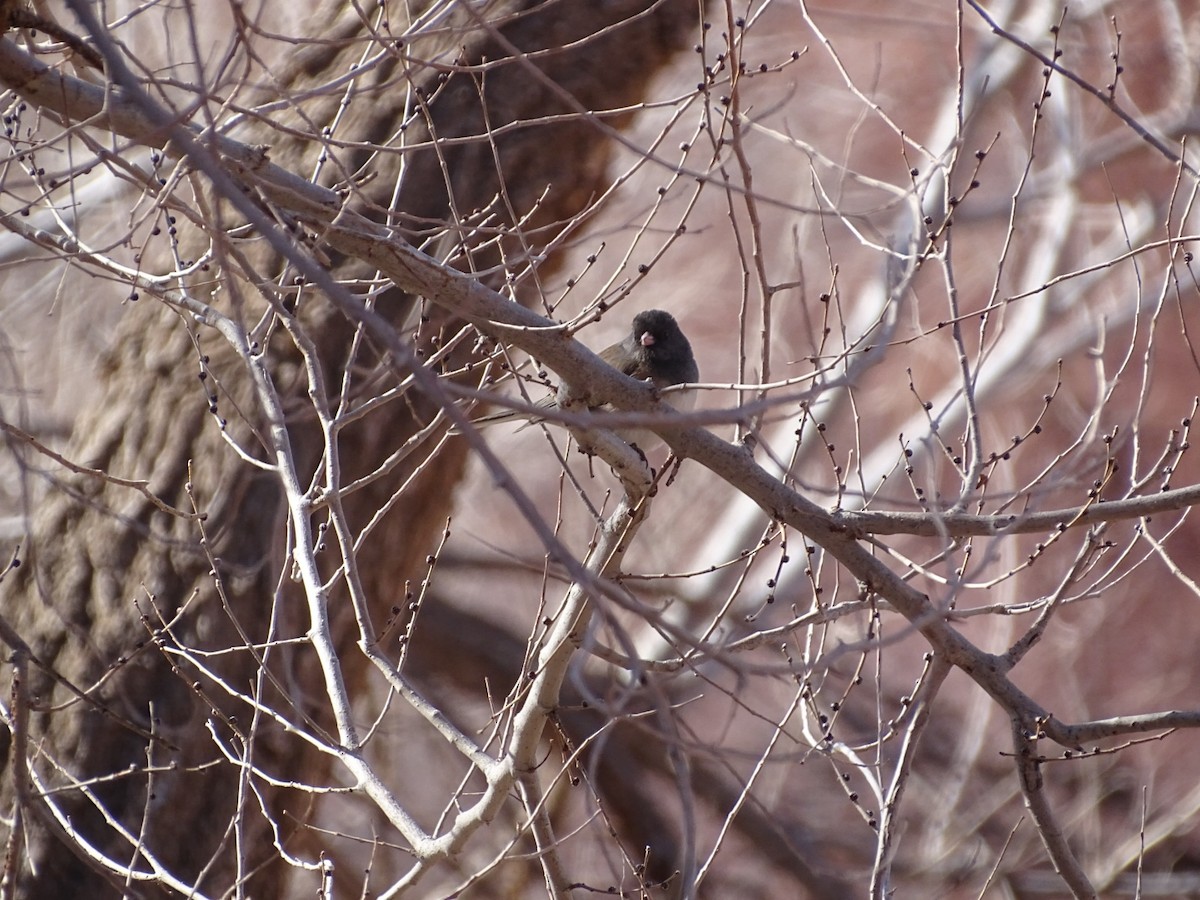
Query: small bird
x=655 y=349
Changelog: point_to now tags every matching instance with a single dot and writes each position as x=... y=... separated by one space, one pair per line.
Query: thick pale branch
x=1034 y=790
x=954 y=524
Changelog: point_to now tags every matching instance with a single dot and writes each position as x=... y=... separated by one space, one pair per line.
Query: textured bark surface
x=100 y=557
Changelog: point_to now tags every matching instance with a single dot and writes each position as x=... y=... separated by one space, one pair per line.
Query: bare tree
x=906 y=618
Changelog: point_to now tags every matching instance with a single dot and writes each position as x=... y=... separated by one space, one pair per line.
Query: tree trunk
x=111 y=586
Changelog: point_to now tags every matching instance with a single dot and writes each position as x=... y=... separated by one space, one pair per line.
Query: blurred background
x=966 y=277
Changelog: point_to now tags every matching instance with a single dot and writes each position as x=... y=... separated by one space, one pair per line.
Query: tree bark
x=110 y=584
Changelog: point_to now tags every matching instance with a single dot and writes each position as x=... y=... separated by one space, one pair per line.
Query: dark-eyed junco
x=655 y=349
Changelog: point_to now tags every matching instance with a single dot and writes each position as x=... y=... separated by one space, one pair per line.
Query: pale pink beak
x=647 y=339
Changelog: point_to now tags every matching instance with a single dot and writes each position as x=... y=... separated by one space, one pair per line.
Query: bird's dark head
x=654 y=327
x=662 y=344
